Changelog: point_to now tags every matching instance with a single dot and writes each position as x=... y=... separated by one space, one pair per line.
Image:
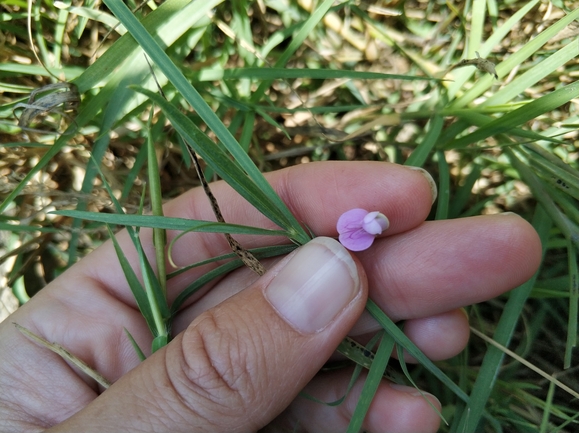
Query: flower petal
x=358 y=240
x=375 y=223
x=351 y=220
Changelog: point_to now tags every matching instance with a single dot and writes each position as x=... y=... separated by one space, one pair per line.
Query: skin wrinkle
x=214 y=381
x=179 y=385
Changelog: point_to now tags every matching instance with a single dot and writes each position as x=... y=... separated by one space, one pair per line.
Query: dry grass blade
x=246 y=257
x=525 y=362
x=34 y=108
x=65 y=354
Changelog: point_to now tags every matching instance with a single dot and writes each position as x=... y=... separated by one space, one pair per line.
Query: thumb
x=240 y=364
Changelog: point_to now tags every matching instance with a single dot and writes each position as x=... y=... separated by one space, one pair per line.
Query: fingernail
x=431 y=182
x=317 y=283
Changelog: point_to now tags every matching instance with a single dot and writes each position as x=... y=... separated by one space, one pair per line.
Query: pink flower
x=358 y=228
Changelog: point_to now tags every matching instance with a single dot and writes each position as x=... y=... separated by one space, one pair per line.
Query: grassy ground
x=298 y=81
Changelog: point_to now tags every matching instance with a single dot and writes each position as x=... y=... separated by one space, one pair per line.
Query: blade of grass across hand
x=134 y=284
x=168 y=223
x=229 y=170
x=373 y=380
x=223 y=270
x=274 y=205
x=411 y=348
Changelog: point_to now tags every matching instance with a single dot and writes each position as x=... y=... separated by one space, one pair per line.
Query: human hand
x=243 y=351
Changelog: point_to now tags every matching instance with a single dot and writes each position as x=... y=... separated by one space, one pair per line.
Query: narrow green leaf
x=404 y=367
x=443 y=187
x=259 y=253
x=464 y=191
x=462 y=75
x=531 y=77
x=519 y=116
x=223 y=270
x=209 y=117
x=169 y=223
x=167 y=23
x=372 y=382
x=281 y=73
x=515 y=59
x=540 y=193
x=411 y=348
x=478 y=19
x=134 y=284
x=420 y=154
x=573 y=303
x=229 y=170
x=492 y=361
x=158 y=342
x=159 y=235
x=136 y=347
x=155 y=296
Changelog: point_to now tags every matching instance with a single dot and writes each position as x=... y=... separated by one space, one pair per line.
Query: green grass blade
x=229 y=170
x=469 y=118
x=493 y=358
x=159 y=342
x=134 y=284
x=159 y=235
x=476 y=27
x=573 y=303
x=462 y=75
x=463 y=193
x=136 y=347
x=259 y=253
x=420 y=154
x=443 y=187
x=223 y=270
x=540 y=193
x=59 y=27
x=531 y=77
x=519 y=116
x=276 y=73
x=411 y=348
x=209 y=117
x=404 y=367
x=516 y=59
x=168 y=223
x=155 y=297
x=372 y=382
x=167 y=23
